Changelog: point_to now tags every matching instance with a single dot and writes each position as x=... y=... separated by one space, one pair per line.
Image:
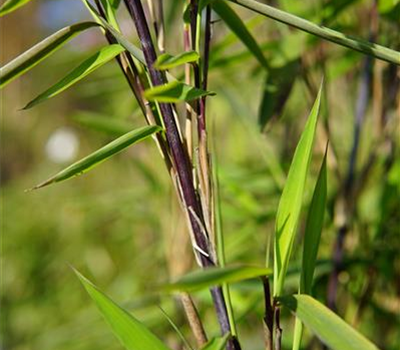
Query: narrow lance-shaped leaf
x=11 y=5
x=88 y=66
x=40 y=51
x=214 y=276
x=339 y=38
x=234 y=22
x=290 y=203
x=132 y=334
x=134 y=50
x=167 y=61
x=313 y=230
x=216 y=343
x=312 y=237
x=325 y=324
x=96 y=158
x=110 y=12
x=175 y=91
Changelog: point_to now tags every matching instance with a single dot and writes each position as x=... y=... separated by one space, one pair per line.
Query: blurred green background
x=120 y=224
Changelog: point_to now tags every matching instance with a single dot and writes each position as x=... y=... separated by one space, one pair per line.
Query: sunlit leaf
x=132 y=334
x=313 y=229
x=216 y=276
x=312 y=237
x=291 y=200
x=40 y=51
x=96 y=158
x=334 y=36
x=234 y=22
x=94 y=62
x=325 y=324
x=166 y=61
x=175 y=91
x=11 y=5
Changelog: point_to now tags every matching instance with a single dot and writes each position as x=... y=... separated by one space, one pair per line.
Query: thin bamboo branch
x=181 y=163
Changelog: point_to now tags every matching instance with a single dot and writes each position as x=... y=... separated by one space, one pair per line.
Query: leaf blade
x=102 y=154
x=40 y=51
x=216 y=276
x=11 y=5
x=313 y=229
x=234 y=22
x=291 y=200
x=175 y=91
x=312 y=237
x=334 y=36
x=167 y=61
x=326 y=325
x=104 y=55
x=131 y=332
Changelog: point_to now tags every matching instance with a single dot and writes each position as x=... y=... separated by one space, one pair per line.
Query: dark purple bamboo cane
x=180 y=159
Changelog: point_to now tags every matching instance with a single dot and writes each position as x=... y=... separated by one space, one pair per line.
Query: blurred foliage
x=119 y=224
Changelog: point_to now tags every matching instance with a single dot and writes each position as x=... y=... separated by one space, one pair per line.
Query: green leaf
x=277 y=88
x=132 y=334
x=110 y=12
x=325 y=324
x=175 y=91
x=214 y=276
x=134 y=50
x=102 y=154
x=166 y=61
x=40 y=51
x=115 y=4
x=312 y=236
x=98 y=122
x=339 y=38
x=11 y=5
x=216 y=343
x=234 y=22
x=315 y=220
x=290 y=203
x=105 y=54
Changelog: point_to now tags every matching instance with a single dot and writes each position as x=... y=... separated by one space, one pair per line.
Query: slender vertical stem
x=269 y=315
x=278 y=329
x=181 y=163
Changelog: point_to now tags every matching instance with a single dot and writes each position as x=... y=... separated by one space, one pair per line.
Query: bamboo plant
x=183 y=143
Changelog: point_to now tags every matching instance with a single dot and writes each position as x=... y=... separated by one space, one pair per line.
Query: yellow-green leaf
x=175 y=91
x=96 y=158
x=312 y=235
x=237 y=26
x=40 y=51
x=88 y=66
x=291 y=200
x=360 y=45
x=167 y=61
x=132 y=334
x=11 y=5
x=215 y=276
x=325 y=324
